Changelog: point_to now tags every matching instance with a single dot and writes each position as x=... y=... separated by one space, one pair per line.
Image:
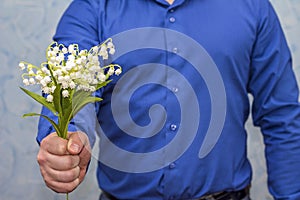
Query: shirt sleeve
x=77 y=25
x=276 y=109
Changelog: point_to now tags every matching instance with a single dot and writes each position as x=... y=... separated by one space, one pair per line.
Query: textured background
x=26 y=28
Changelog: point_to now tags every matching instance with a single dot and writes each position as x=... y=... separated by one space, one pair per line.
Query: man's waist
x=224 y=195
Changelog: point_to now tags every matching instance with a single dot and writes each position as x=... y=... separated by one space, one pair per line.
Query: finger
x=61 y=187
x=85 y=157
x=85 y=152
x=62 y=163
x=63 y=176
x=54 y=144
x=76 y=143
x=50 y=174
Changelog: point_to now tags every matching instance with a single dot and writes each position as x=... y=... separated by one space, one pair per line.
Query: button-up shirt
x=172 y=125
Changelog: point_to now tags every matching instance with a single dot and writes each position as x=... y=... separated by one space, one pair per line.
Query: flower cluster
x=71 y=69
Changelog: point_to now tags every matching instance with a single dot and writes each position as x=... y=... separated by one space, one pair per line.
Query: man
x=172 y=126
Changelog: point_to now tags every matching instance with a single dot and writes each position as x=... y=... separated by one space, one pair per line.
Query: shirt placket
x=173 y=122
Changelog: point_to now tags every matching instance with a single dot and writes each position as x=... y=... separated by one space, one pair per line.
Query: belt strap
x=233 y=195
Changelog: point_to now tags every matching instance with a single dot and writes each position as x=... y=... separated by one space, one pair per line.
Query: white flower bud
x=78 y=75
x=64 y=85
x=49 y=98
x=73 y=75
x=111 y=71
x=53 y=88
x=22 y=66
x=55 y=49
x=105 y=57
x=67 y=78
x=38 y=77
x=25 y=81
x=47 y=79
x=78 y=61
x=32 y=81
x=61 y=79
x=53 y=59
x=65 y=93
x=72 y=85
x=50 y=53
x=60 y=57
x=101 y=77
x=110 y=45
x=58 y=72
x=92 y=89
x=31 y=73
x=82 y=52
x=71 y=48
x=95 y=48
x=118 y=71
x=70 y=65
x=43 y=83
x=71 y=57
x=46 y=90
x=64 y=50
x=83 y=58
x=45 y=70
x=112 y=51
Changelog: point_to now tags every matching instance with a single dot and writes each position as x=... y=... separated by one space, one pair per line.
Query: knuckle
x=70 y=176
x=73 y=185
x=68 y=162
x=61 y=148
x=72 y=161
x=40 y=158
x=60 y=187
x=67 y=176
x=49 y=185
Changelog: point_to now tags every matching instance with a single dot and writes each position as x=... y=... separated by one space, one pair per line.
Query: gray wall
x=26 y=28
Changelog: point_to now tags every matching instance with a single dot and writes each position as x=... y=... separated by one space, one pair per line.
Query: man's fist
x=63 y=163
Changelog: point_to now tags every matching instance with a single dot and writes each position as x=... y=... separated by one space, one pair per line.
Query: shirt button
x=175 y=50
x=172 y=19
x=172 y=10
x=172 y=165
x=175 y=89
x=173 y=127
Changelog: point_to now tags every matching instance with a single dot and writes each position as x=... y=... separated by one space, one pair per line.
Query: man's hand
x=63 y=163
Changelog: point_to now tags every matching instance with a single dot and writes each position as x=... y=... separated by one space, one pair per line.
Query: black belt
x=234 y=195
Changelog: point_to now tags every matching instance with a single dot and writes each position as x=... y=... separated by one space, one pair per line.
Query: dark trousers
x=247 y=197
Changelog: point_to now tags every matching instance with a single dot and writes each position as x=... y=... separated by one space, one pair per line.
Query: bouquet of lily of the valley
x=68 y=80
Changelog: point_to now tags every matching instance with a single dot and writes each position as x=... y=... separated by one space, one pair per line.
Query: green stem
x=67 y=196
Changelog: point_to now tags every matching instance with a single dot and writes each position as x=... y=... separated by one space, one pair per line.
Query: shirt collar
x=176 y=2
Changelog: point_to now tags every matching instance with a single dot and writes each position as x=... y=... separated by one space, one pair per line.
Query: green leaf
x=66 y=103
x=40 y=99
x=56 y=127
x=102 y=84
x=80 y=104
x=80 y=94
x=66 y=115
x=57 y=99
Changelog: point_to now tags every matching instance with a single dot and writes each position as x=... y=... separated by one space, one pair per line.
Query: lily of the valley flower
x=71 y=68
x=72 y=74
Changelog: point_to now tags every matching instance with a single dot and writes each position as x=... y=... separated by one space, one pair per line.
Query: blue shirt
x=172 y=125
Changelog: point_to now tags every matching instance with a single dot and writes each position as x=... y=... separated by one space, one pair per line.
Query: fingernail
x=74 y=147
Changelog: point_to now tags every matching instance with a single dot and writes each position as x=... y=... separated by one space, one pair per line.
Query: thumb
x=76 y=142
